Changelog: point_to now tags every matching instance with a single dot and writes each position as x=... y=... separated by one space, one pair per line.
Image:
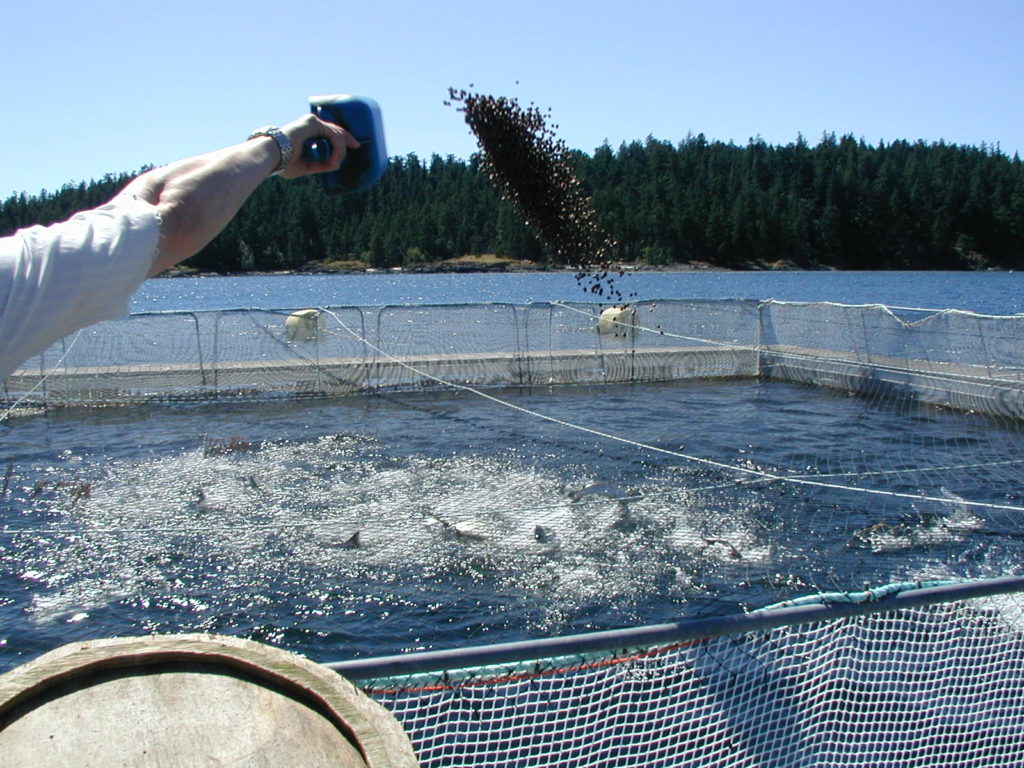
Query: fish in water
x=543 y=535
x=78 y=490
x=625 y=522
x=606 y=490
x=470 y=529
x=353 y=542
x=463 y=529
x=201 y=502
x=7 y=477
x=733 y=552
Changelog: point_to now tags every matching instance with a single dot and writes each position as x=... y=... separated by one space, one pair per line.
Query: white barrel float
x=304 y=325
x=196 y=700
x=618 y=321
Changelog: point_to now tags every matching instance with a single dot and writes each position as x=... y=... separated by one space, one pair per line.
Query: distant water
x=984 y=292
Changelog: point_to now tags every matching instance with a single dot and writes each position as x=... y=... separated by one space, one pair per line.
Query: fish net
x=934 y=685
x=352 y=482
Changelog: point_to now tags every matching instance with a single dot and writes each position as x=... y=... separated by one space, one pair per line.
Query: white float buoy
x=304 y=325
x=618 y=321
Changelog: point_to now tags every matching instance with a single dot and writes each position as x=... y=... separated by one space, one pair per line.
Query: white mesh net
x=934 y=686
x=380 y=480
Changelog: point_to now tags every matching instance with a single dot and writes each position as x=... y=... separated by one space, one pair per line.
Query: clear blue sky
x=109 y=86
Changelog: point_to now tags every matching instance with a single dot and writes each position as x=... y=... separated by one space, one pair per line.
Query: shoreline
x=483 y=268
x=495 y=265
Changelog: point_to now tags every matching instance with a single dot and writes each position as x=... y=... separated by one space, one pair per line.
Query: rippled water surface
x=984 y=292
x=479 y=522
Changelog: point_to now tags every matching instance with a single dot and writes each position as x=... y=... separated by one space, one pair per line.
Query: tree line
x=841 y=204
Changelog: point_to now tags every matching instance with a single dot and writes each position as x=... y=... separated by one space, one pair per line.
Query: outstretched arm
x=198 y=197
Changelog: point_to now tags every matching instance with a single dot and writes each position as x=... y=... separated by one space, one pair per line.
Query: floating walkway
x=949 y=385
x=949 y=359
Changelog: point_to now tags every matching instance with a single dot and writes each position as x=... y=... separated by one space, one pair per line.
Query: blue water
x=234 y=517
x=984 y=292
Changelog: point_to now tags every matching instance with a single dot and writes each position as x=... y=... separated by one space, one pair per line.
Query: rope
x=6 y=414
x=754 y=475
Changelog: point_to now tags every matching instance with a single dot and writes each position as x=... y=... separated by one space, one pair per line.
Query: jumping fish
x=353 y=542
x=733 y=552
x=463 y=529
x=607 y=490
x=625 y=522
x=469 y=529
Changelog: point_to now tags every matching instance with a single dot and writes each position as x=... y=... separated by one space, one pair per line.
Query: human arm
x=57 y=279
x=197 y=197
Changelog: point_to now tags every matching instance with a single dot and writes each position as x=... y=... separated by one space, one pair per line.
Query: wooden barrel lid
x=190 y=700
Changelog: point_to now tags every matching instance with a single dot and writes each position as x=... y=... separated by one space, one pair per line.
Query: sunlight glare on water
x=476 y=523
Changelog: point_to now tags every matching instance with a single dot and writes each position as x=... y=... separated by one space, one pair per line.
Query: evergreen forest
x=841 y=204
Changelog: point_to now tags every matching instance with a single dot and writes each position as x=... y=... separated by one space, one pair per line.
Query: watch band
x=283 y=143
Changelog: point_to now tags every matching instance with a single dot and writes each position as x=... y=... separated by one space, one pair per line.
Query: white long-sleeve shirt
x=57 y=279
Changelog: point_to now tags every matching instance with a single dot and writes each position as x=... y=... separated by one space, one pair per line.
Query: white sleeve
x=57 y=279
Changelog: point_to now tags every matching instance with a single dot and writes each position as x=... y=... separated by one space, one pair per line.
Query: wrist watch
x=283 y=143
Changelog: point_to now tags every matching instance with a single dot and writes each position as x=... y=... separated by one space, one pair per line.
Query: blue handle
x=316 y=150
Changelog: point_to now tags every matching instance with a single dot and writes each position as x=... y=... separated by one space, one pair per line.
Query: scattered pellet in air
x=533 y=170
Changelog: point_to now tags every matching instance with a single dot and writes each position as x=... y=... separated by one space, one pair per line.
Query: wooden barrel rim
x=381 y=742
